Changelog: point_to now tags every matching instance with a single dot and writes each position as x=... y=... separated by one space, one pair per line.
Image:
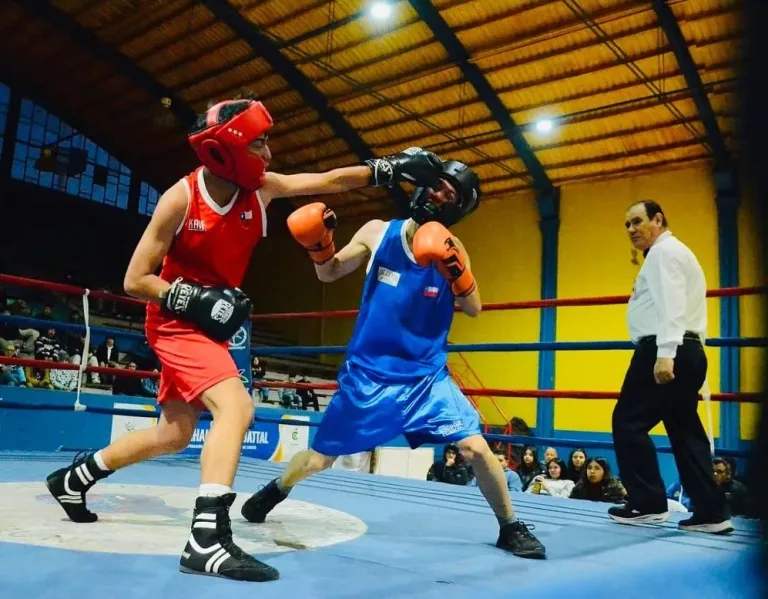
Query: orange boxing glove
x=433 y=243
x=312 y=226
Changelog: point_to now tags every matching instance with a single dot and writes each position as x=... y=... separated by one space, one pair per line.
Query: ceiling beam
x=459 y=55
x=91 y=42
x=269 y=51
x=688 y=68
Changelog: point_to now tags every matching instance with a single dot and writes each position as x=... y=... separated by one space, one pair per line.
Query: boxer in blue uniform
x=395 y=378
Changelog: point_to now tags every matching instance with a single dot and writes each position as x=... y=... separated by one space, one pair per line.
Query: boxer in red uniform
x=202 y=233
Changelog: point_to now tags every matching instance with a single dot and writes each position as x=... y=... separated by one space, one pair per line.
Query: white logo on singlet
x=196 y=224
x=389 y=277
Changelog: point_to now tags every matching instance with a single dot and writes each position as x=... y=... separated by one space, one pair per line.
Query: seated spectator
x=47 y=346
x=12 y=375
x=597 y=484
x=23 y=339
x=46 y=314
x=513 y=480
x=289 y=398
x=576 y=464
x=308 y=396
x=529 y=466
x=108 y=356
x=63 y=380
x=39 y=378
x=150 y=387
x=554 y=483
x=736 y=494
x=258 y=372
x=549 y=454
x=452 y=469
x=128 y=385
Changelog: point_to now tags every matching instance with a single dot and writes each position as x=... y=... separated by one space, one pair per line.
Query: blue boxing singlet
x=406 y=311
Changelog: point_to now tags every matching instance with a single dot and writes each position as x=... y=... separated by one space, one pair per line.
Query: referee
x=667 y=319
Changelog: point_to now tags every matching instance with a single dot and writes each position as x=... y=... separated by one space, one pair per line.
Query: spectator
x=554 y=483
x=12 y=375
x=258 y=372
x=46 y=314
x=597 y=484
x=24 y=339
x=736 y=495
x=47 y=346
x=128 y=385
x=513 y=480
x=576 y=462
x=108 y=356
x=63 y=380
x=39 y=378
x=529 y=466
x=549 y=454
x=452 y=469
x=150 y=386
x=288 y=397
x=308 y=396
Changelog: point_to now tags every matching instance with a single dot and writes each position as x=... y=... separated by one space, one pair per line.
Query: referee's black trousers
x=642 y=405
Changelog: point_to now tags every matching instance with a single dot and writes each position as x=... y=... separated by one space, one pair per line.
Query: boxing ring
x=340 y=534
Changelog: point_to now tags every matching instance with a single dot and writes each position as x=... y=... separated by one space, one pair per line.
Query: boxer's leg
x=171 y=434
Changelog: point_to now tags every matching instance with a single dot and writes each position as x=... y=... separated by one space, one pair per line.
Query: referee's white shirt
x=669 y=296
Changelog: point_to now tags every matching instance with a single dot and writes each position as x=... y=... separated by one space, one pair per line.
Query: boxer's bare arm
x=353 y=255
x=140 y=279
x=335 y=181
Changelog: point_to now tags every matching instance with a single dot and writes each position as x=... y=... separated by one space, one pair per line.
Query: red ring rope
x=526 y=305
x=482 y=392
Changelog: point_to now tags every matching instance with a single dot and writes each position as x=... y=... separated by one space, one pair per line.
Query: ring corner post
x=549 y=211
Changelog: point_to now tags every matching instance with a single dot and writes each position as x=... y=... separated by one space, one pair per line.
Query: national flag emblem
x=247 y=215
x=430 y=292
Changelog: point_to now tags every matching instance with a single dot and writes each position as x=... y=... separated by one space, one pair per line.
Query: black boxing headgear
x=467 y=185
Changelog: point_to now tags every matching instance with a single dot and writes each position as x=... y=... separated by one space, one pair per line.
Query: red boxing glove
x=433 y=243
x=312 y=226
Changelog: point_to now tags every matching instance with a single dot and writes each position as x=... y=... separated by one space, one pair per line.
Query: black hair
x=652 y=209
x=563 y=468
x=242 y=101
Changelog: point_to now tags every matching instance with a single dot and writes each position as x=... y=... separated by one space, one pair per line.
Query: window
x=52 y=154
x=5 y=96
x=148 y=197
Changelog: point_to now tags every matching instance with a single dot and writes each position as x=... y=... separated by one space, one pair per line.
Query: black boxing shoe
x=69 y=486
x=210 y=549
x=262 y=502
x=516 y=538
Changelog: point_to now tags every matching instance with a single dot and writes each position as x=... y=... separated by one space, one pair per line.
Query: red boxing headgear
x=222 y=147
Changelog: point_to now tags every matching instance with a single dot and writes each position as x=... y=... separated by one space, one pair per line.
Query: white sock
x=213 y=490
x=100 y=461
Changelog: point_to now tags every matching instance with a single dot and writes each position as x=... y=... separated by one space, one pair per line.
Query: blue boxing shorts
x=366 y=412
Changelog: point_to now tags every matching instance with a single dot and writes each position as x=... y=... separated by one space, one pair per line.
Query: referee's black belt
x=687 y=335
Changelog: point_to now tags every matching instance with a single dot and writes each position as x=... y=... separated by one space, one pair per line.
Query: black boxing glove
x=217 y=311
x=413 y=165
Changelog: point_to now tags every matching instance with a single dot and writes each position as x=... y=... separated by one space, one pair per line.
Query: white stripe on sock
x=213 y=490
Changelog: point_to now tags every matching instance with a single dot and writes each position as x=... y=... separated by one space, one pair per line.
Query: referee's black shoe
x=713 y=526
x=516 y=538
x=210 y=549
x=626 y=514
x=69 y=486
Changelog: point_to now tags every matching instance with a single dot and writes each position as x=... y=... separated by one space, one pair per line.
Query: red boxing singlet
x=213 y=244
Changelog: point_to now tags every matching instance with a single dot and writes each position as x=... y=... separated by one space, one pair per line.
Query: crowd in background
x=584 y=476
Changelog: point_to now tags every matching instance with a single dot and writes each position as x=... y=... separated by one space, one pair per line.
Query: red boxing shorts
x=191 y=363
